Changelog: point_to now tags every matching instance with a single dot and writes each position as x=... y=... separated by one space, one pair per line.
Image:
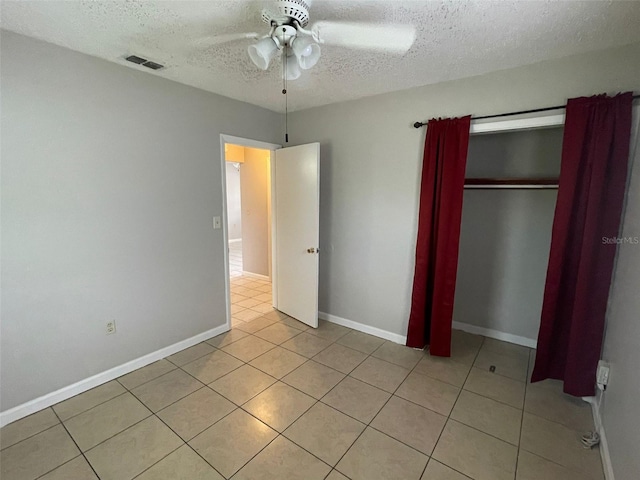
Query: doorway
x=247 y=180
x=249 y=211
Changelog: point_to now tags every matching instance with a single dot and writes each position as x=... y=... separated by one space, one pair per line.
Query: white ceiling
x=455 y=39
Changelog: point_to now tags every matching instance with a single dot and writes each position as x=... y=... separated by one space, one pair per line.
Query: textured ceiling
x=455 y=39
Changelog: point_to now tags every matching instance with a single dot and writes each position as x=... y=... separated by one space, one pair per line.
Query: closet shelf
x=520 y=183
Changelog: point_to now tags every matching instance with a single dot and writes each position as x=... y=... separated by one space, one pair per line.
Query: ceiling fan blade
x=220 y=39
x=392 y=38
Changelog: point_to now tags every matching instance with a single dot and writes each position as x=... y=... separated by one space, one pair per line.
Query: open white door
x=296 y=208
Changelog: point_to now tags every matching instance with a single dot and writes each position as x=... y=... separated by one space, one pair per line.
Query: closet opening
x=507 y=216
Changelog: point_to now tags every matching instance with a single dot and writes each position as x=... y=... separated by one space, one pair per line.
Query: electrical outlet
x=111 y=327
x=602 y=375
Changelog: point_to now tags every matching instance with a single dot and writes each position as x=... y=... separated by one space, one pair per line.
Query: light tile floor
x=273 y=399
x=235 y=259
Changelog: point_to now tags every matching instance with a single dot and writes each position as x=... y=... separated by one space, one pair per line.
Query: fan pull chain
x=284 y=92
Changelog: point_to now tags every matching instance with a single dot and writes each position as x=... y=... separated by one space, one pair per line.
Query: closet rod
x=497 y=183
x=522 y=112
x=523 y=186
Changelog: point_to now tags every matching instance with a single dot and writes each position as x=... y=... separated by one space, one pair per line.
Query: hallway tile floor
x=235 y=259
x=274 y=399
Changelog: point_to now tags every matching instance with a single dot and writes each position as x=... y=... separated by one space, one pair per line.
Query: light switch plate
x=217 y=222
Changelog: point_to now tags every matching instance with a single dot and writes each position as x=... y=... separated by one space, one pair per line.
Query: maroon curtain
x=434 y=282
x=593 y=173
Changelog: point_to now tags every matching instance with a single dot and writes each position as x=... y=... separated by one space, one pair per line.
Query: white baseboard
x=402 y=339
x=498 y=335
x=604 y=445
x=256 y=275
x=235 y=240
x=361 y=327
x=69 y=391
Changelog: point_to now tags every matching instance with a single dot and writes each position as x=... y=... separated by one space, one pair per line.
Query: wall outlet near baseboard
x=602 y=374
x=111 y=327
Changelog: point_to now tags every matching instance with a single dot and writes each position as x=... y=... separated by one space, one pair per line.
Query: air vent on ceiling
x=144 y=62
x=134 y=59
x=152 y=65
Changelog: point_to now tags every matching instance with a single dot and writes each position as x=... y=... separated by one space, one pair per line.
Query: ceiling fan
x=300 y=46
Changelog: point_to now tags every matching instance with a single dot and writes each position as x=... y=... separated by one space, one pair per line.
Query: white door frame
x=244 y=142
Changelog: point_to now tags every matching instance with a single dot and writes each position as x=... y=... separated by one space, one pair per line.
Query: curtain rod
x=522 y=112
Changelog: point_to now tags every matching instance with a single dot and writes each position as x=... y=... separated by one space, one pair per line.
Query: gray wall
x=506 y=234
x=234 y=204
x=371 y=161
x=254 y=178
x=110 y=180
x=621 y=409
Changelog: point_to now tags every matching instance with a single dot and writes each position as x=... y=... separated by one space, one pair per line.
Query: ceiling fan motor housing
x=284 y=12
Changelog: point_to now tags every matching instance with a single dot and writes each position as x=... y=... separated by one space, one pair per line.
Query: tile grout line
x=520 y=448
x=91 y=408
x=451 y=411
x=226 y=374
x=316 y=401
x=195 y=359
x=165 y=456
x=184 y=443
x=62 y=465
x=281 y=434
x=31 y=436
x=147 y=381
x=367 y=425
x=214 y=423
x=249 y=413
x=60 y=421
x=154 y=414
x=209 y=383
x=151 y=414
x=76 y=444
x=524 y=404
x=490 y=398
x=572 y=469
x=121 y=431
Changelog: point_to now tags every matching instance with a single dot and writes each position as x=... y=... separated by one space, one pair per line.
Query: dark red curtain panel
x=434 y=282
x=595 y=154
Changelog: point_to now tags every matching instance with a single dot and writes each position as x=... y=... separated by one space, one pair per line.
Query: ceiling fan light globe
x=262 y=52
x=292 y=68
x=309 y=61
x=306 y=51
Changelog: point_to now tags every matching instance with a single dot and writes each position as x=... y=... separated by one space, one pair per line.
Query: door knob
x=311 y=250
